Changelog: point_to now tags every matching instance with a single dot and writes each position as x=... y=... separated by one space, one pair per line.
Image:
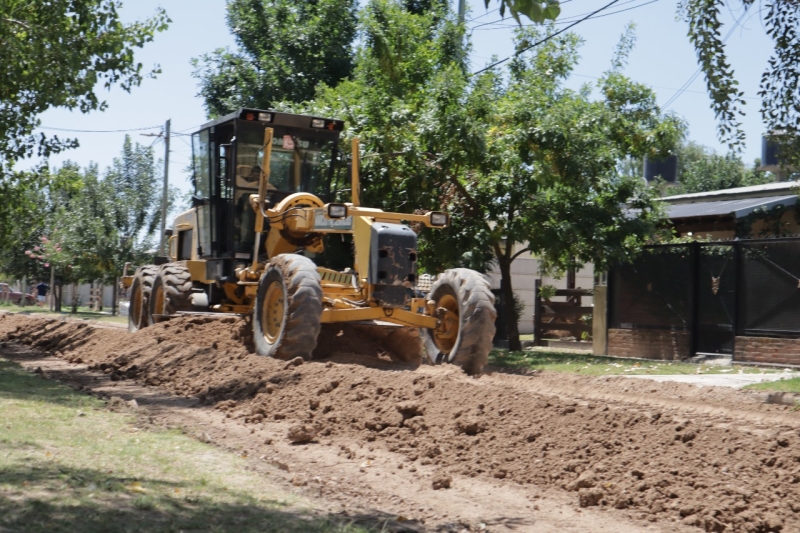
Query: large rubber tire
x=465 y=293
x=288 y=310
x=139 y=311
x=172 y=291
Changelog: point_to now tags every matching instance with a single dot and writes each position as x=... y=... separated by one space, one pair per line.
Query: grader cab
x=254 y=242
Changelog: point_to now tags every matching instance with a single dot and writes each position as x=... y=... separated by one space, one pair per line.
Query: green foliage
x=779 y=82
x=704 y=33
x=778 y=89
x=515 y=158
x=285 y=49
x=84 y=225
x=34 y=198
x=536 y=10
x=57 y=54
x=701 y=170
x=546 y=292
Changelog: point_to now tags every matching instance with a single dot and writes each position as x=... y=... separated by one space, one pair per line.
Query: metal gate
x=713 y=291
x=715 y=299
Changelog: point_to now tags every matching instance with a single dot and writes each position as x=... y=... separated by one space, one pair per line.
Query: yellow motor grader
x=254 y=242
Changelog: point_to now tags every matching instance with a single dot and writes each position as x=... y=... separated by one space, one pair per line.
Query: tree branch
x=526 y=249
x=465 y=193
x=24 y=25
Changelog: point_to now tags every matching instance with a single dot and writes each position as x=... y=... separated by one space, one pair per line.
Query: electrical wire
x=661 y=87
x=693 y=77
x=481 y=16
x=541 y=41
x=502 y=19
x=566 y=20
x=599 y=16
x=100 y=131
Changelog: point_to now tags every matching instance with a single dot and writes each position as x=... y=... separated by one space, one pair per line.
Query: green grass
x=68 y=464
x=83 y=313
x=592 y=365
x=783 y=385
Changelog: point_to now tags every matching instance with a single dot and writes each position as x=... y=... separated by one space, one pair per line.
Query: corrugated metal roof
x=739 y=193
x=737 y=208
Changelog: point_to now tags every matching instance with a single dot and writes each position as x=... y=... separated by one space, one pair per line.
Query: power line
x=564 y=20
x=661 y=87
x=693 y=77
x=502 y=19
x=537 y=43
x=99 y=131
x=481 y=16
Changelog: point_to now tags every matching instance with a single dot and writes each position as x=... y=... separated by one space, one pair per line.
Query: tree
x=514 y=159
x=544 y=176
x=701 y=170
x=134 y=184
x=33 y=198
x=57 y=54
x=285 y=49
x=84 y=224
x=780 y=109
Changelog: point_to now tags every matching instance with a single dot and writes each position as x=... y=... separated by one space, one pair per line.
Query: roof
x=753 y=191
x=736 y=208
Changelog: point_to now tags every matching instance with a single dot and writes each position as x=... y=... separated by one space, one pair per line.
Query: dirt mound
x=661 y=461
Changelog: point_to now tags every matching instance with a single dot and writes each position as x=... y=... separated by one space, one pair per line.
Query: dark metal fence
x=714 y=291
x=769 y=303
x=655 y=291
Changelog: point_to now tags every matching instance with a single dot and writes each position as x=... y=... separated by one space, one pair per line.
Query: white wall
x=83 y=293
x=524 y=272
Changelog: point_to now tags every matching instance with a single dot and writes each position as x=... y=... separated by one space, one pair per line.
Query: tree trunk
x=75 y=298
x=512 y=329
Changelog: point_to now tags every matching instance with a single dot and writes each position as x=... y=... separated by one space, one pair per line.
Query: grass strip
x=68 y=464
x=83 y=313
x=593 y=365
x=782 y=385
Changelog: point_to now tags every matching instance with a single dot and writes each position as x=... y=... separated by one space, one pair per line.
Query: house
x=732 y=290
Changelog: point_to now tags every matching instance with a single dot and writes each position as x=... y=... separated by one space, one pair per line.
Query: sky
x=663 y=59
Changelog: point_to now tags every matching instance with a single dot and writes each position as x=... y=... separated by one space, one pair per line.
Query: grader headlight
x=337 y=211
x=439 y=219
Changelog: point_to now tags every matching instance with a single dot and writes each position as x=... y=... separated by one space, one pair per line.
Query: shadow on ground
x=49 y=498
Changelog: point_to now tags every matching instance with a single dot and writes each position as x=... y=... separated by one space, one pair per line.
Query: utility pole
x=462 y=9
x=161 y=250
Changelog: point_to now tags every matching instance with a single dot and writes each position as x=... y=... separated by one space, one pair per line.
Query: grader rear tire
x=172 y=291
x=288 y=310
x=463 y=299
x=139 y=311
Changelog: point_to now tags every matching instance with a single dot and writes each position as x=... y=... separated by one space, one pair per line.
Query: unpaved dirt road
x=440 y=450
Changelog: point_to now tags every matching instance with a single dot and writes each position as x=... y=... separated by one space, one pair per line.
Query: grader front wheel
x=464 y=304
x=172 y=291
x=288 y=309
x=139 y=311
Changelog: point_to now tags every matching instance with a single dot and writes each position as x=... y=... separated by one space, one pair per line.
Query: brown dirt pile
x=668 y=463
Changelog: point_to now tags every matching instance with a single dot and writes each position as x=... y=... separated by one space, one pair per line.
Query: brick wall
x=767 y=350
x=649 y=343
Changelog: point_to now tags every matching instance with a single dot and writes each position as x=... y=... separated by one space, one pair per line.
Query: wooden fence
x=560 y=316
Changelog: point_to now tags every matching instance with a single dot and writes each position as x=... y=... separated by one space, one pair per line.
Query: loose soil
x=364 y=427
